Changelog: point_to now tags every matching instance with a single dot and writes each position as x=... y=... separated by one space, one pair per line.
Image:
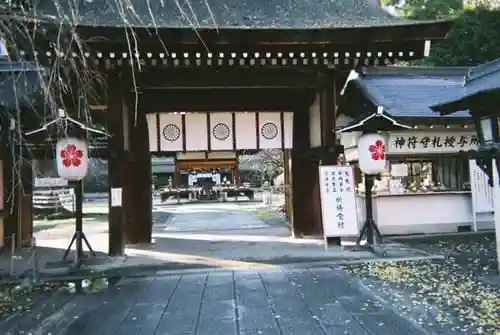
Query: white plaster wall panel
x=152 y=132
x=221 y=131
x=246 y=137
x=171 y=134
x=270 y=130
x=315 y=124
x=288 y=129
x=196 y=132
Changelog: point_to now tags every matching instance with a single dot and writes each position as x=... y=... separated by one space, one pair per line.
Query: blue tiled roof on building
x=484 y=77
x=409 y=91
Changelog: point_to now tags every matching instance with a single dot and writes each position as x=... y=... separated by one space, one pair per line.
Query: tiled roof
x=483 y=77
x=219 y=13
x=410 y=91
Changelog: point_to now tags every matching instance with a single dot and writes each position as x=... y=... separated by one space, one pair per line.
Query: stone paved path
x=214 y=217
x=313 y=301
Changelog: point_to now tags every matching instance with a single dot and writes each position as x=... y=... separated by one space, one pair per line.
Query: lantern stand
x=371 y=125
x=72 y=128
x=369 y=227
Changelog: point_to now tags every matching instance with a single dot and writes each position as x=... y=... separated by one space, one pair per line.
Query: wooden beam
x=210 y=78
x=327 y=108
x=157 y=101
x=206 y=164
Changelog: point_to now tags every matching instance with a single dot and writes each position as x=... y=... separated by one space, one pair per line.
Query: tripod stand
x=370 y=229
x=78 y=237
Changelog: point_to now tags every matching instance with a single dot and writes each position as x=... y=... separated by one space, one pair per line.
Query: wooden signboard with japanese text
x=338 y=201
x=418 y=142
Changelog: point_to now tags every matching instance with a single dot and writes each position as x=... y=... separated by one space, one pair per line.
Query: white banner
x=221 y=131
x=338 y=201
x=269 y=130
x=193 y=130
x=245 y=131
x=482 y=192
x=196 y=132
x=171 y=133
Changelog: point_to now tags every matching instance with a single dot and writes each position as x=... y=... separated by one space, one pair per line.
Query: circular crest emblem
x=221 y=131
x=269 y=130
x=171 y=132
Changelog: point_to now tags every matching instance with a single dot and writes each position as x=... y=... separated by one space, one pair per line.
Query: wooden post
x=176 y=180
x=117 y=162
x=304 y=175
x=9 y=205
x=142 y=198
x=328 y=105
x=25 y=207
x=18 y=189
x=287 y=187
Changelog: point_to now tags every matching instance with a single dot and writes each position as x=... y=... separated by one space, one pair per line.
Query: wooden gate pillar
x=287 y=176
x=117 y=162
x=328 y=156
x=304 y=176
x=139 y=197
x=17 y=181
x=24 y=191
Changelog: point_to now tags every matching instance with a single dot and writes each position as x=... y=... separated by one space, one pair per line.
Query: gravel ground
x=460 y=295
x=270 y=216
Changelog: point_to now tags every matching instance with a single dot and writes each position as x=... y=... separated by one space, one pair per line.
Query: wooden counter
x=422 y=212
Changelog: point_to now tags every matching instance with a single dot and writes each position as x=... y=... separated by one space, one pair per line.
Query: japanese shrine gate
x=272 y=84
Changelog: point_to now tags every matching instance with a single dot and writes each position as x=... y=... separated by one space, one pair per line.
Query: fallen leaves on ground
x=20 y=298
x=450 y=295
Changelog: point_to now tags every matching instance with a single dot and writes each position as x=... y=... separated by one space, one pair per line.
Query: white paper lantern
x=372 y=156
x=72 y=158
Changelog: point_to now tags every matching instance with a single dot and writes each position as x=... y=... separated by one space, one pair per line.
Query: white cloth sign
x=482 y=192
x=338 y=201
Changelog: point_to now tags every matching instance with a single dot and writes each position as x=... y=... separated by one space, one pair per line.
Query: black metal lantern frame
x=488 y=134
x=60 y=127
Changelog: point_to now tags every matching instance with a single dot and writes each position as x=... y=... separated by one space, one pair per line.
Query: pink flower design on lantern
x=71 y=156
x=377 y=150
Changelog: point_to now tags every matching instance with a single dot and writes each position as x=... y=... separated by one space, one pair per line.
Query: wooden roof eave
x=404 y=32
x=480 y=101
